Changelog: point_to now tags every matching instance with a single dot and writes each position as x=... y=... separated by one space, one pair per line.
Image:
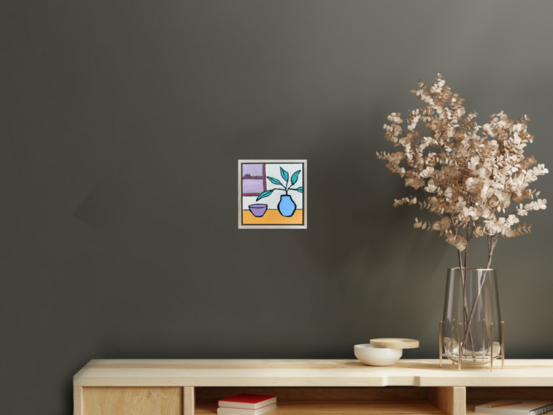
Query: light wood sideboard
x=303 y=387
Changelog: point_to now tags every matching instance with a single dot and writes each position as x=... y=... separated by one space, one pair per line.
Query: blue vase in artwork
x=286 y=206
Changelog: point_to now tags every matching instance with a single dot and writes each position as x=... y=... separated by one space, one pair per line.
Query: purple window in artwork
x=253 y=170
x=253 y=179
x=252 y=187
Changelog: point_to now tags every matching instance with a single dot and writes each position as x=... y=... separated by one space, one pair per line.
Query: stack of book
x=246 y=404
x=515 y=407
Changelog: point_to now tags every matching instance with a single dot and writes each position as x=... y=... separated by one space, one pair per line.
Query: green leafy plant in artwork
x=286 y=187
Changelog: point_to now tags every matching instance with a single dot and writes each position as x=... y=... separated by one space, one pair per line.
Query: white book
x=239 y=411
x=515 y=407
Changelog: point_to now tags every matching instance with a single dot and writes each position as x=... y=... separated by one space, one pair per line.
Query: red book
x=247 y=401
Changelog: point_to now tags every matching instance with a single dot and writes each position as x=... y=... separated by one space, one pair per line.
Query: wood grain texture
x=470 y=409
x=189 y=400
x=392 y=343
x=482 y=395
x=77 y=400
x=307 y=373
x=450 y=400
x=420 y=408
x=132 y=401
x=297 y=395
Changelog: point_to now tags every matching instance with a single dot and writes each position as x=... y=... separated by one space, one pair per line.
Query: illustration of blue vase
x=286 y=206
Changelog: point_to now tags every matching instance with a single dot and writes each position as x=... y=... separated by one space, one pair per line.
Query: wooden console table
x=303 y=387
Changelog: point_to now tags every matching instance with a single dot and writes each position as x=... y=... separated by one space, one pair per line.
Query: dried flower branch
x=475 y=178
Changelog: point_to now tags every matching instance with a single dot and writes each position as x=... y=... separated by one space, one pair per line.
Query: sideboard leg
x=77 y=400
x=188 y=400
x=451 y=400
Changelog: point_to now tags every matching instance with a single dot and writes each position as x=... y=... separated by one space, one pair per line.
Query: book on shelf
x=247 y=404
x=515 y=407
x=247 y=401
x=242 y=411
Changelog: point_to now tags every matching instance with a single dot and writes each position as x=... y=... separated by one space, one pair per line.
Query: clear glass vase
x=471 y=330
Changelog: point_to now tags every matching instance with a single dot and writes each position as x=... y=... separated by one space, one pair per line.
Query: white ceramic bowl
x=376 y=356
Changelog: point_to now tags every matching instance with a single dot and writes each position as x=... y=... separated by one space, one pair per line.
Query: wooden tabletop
x=304 y=373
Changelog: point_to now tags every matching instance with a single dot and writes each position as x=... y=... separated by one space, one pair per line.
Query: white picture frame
x=274 y=215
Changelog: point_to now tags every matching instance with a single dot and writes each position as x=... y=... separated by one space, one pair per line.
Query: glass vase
x=471 y=332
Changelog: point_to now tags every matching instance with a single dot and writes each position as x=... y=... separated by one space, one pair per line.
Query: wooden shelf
x=394 y=400
x=333 y=408
x=303 y=387
x=287 y=373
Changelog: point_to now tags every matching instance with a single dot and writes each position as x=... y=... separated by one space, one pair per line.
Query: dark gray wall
x=121 y=126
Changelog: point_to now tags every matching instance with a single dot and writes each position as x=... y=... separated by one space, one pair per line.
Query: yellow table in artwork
x=272 y=217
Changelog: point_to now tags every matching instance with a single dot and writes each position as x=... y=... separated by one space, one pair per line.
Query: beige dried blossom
x=475 y=178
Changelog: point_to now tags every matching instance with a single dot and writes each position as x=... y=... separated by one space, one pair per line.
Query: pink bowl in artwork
x=258 y=209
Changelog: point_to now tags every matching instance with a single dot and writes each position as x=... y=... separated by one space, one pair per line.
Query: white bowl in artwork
x=376 y=356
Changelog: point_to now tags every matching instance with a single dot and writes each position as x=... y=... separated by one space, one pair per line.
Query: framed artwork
x=272 y=194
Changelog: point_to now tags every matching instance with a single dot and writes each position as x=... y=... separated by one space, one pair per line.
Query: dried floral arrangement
x=475 y=178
